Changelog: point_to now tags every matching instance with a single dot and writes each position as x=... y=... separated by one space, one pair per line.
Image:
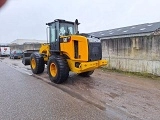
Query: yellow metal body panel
x=68 y=48
x=44 y=49
x=86 y=66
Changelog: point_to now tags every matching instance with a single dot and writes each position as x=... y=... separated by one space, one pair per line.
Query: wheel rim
x=33 y=63
x=53 y=69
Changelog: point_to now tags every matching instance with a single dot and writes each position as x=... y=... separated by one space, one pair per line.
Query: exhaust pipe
x=76 y=26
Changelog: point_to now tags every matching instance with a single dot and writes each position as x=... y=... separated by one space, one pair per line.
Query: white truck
x=4 y=51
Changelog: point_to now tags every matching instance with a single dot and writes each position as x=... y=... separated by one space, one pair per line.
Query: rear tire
x=58 y=69
x=26 y=60
x=86 y=74
x=37 y=63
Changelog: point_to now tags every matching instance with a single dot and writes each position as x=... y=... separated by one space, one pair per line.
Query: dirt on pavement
x=132 y=96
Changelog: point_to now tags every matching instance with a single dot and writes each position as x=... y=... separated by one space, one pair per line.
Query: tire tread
x=39 y=63
x=63 y=69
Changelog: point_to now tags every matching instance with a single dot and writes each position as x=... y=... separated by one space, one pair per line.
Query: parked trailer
x=4 y=51
x=26 y=56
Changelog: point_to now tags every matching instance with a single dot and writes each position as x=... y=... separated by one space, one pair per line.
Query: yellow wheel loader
x=67 y=50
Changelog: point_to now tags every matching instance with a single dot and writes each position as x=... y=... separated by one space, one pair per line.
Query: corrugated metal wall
x=34 y=46
x=137 y=54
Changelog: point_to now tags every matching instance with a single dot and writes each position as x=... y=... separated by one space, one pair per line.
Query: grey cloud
x=26 y=18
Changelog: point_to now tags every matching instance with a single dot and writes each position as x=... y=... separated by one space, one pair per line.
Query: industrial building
x=133 y=48
x=26 y=44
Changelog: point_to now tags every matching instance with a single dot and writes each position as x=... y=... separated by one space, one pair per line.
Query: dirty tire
x=58 y=69
x=26 y=60
x=37 y=63
x=86 y=74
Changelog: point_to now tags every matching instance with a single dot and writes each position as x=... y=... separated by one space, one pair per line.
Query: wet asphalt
x=24 y=97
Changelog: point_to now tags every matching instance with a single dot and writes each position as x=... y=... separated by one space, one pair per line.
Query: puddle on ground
x=2 y=58
x=14 y=64
x=28 y=68
x=113 y=95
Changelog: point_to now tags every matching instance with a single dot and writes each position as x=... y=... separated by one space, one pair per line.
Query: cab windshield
x=66 y=29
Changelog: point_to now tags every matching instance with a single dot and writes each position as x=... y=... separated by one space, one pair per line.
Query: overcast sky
x=25 y=19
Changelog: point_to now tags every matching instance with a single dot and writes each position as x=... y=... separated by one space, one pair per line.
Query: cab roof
x=59 y=20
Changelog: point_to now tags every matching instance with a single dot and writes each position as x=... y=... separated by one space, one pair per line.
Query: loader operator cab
x=66 y=29
x=58 y=29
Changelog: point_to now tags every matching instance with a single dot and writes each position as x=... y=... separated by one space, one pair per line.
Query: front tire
x=86 y=74
x=37 y=63
x=58 y=69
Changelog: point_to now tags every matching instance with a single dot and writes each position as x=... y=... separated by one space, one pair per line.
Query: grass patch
x=145 y=75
